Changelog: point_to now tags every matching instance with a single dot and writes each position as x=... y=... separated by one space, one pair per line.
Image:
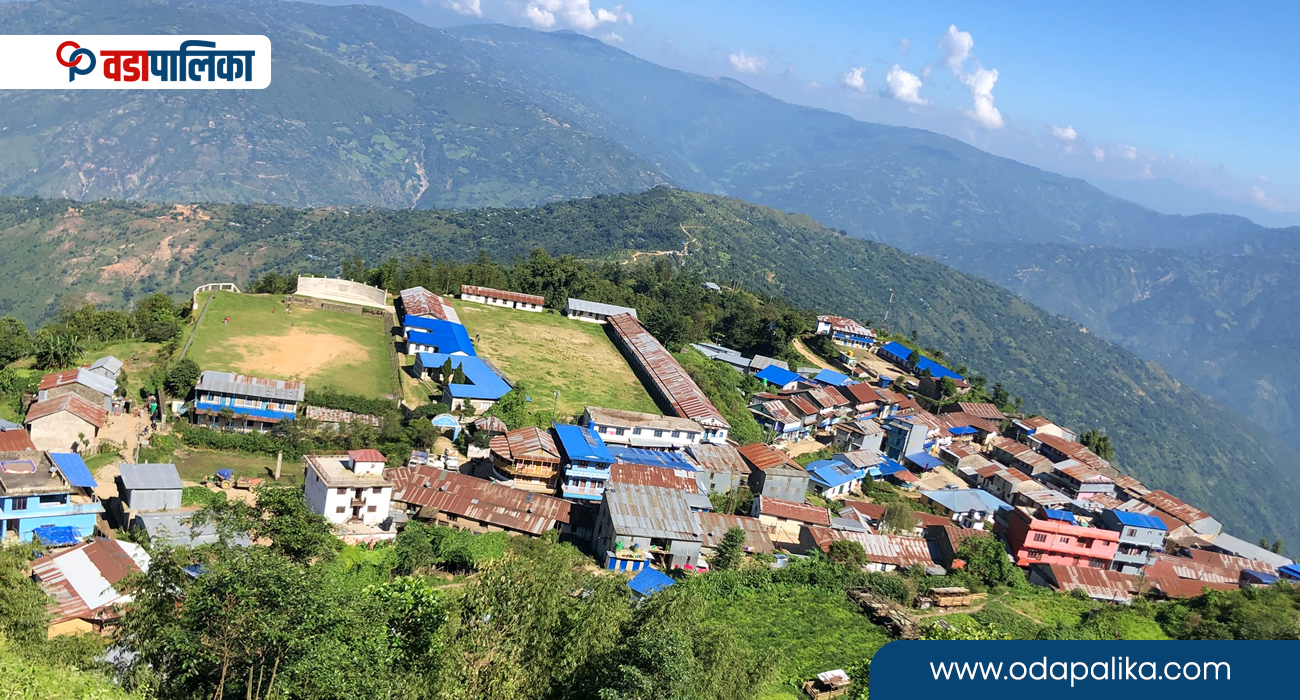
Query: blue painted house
x=587 y=462
x=40 y=489
x=832 y=478
x=482 y=388
x=901 y=355
x=245 y=404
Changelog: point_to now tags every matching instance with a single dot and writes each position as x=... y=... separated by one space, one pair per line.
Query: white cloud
x=577 y=14
x=904 y=45
x=469 y=8
x=814 y=85
x=980 y=83
x=1064 y=133
x=611 y=38
x=904 y=86
x=1125 y=152
x=1258 y=194
x=854 y=80
x=956 y=46
x=1098 y=154
x=749 y=65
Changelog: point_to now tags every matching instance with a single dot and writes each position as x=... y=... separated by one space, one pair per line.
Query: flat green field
x=548 y=352
x=323 y=348
x=194 y=465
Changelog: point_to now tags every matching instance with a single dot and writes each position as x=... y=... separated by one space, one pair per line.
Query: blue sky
x=1195 y=93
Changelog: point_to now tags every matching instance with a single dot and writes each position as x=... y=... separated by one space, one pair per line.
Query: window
x=677 y=433
x=18 y=504
x=371 y=509
x=1130 y=532
x=1097 y=563
x=341 y=491
x=377 y=489
x=1040 y=537
x=1065 y=540
x=1035 y=554
x=340 y=509
x=659 y=433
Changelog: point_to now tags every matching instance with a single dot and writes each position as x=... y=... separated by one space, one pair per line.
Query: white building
x=348 y=488
x=594 y=311
x=636 y=429
x=502 y=298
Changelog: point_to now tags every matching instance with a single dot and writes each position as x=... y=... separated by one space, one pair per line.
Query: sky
x=1193 y=98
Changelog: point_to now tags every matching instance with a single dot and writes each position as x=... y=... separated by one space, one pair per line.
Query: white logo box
x=142 y=62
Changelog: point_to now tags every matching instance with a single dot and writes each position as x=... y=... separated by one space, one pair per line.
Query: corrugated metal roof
x=619 y=418
x=108 y=363
x=893 y=550
x=983 y=410
x=789 y=510
x=242 y=385
x=597 y=308
x=478 y=499
x=82 y=376
x=418 y=301
x=642 y=475
x=444 y=337
x=1101 y=584
x=831 y=377
x=846 y=325
x=484 y=382
x=74 y=469
x=532 y=444
x=150 y=477
x=668 y=377
x=1128 y=519
x=777 y=375
x=718 y=458
x=714 y=526
x=80 y=580
x=766 y=458
x=650 y=511
x=72 y=403
x=367 y=455
x=579 y=443
x=1174 y=506
x=491 y=293
x=652 y=458
x=966 y=500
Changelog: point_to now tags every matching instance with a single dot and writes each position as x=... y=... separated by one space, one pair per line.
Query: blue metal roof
x=1128 y=519
x=422 y=322
x=579 y=443
x=484 y=383
x=650 y=581
x=1259 y=576
x=889 y=466
x=962 y=430
x=830 y=376
x=832 y=472
x=74 y=469
x=924 y=460
x=1064 y=516
x=651 y=458
x=446 y=337
x=965 y=500
x=903 y=353
x=56 y=535
x=777 y=375
x=1290 y=571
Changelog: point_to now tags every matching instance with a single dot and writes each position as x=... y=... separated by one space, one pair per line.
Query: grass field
x=548 y=352
x=324 y=348
x=138 y=360
x=194 y=464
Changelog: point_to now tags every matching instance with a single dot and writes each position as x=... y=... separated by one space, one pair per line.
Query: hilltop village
x=872 y=454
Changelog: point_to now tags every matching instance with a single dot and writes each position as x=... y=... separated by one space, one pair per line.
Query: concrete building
x=640 y=524
x=773 y=474
x=636 y=429
x=420 y=302
x=1140 y=536
x=594 y=311
x=348 y=488
x=245 y=404
x=845 y=331
x=786 y=521
x=502 y=298
x=904 y=436
x=40 y=489
x=66 y=423
x=586 y=462
x=1056 y=537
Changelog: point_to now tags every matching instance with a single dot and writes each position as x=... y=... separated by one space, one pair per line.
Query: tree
x=1099 y=443
x=15 y=341
x=156 y=318
x=730 y=550
x=848 y=552
x=56 y=350
x=898 y=518
x=987 y=561
x=1001 y=397
x=947 y=387
x=182 y=377
x=22 y=606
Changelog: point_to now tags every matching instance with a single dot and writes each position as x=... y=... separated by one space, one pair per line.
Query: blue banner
x=1002 y=669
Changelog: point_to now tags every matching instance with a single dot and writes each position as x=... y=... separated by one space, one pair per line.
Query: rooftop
x=484 y=383
x=29 y=473
x=491 y=293
x=478 y=499
x=966 y=500
x=789 y=510
x=597 y=308
x=418 y=301
x=652 y=458
x=243 y=385
x=769 y=459
x=633 y=419
x=149 y=477
x=531 y=444
x=642 y=475
x=82 y=376
x=445 y=337
x=832 y=472
x=715 y=525
x=718 y=458
x=669 y=378
x=777 y=375
x=650 y=511
x=80 y=580
x=579 y=443
x=72 y=403
x=334 y=471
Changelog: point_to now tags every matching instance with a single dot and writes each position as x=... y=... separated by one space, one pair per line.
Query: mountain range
x=369 y=108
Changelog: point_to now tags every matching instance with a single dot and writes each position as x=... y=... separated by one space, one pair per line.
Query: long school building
x=245 y=404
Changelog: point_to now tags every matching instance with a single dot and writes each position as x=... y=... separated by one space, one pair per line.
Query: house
x=946 y=540
x=831 y=478
x=1182 y=577
x=594 y=311
x=783 y=418
x=1059 y=449
x=1099 y=584
x=528 y=458
x=1022 y=429
x=482 y=386
x=636 y=429
x=664 y=459
x=108 y=367
x=845 y=331
x=850 y=436
x=1056 y=537
x=666 y=379
x=1181 y=518
x=960 y=456
x=905 y=435
x=923 y=461
x=420 y=302
x=245 y=404
x=778 y=377
x=1004 y=482
x=349 y=488
x=897 y=474
x=719 y=468
x=970 y=507
x=864 y=401
x=43 y=488
x=773 y=474
x=67 y=423
x=830 y=377
x=884 y=552
x=1079 y=480
x=638 y=524
x=713 y=526
x=762 y=362
x=433 y=335
x=644 y=475
x=147 y=488
x=868 y=461
x=586 y=462
x=80 y=583
x=456 y=500
x=14 y=438
x=1140 y=537
x=784 y=521
x=504 y=299
x=986 y=411
x=94 y=386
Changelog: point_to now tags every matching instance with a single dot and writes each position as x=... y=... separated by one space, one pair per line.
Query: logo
x=238 y=62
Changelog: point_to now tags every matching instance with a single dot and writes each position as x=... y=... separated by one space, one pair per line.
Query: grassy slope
x=548 y=352
x=218 y=346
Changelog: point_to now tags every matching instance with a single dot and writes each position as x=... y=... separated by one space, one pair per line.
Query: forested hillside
x=1165 y=432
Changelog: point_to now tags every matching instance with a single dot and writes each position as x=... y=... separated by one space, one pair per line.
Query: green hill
x=1165 y=433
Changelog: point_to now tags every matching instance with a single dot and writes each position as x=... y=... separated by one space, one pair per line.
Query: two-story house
x=528 y=458
x=348 y=488
x=1140 y=536
x=636 y=429
x=40 y=489
x=586 y=462
x=245 y=404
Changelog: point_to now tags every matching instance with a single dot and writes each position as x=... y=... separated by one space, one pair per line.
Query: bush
x=255 y=443
x=201 y=496
x=329 y=398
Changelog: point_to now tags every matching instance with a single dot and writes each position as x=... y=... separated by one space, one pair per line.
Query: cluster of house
x=71 y=407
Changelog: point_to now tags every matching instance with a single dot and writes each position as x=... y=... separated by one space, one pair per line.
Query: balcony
x=54 y=509
x=592 y=473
